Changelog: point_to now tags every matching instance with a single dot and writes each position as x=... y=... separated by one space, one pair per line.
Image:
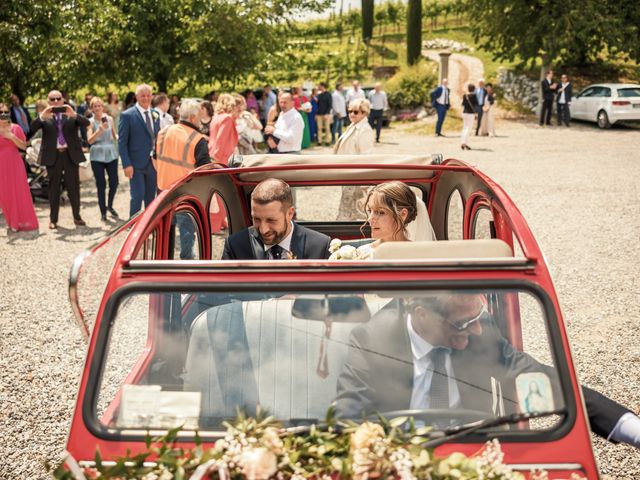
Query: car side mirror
x=342 y=309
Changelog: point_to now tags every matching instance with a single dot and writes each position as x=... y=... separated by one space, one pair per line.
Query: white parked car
x=607 y=103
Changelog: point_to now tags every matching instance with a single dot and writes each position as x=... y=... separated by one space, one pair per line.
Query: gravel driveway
x=578 y=187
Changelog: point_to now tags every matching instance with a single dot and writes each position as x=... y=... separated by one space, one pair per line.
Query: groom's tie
x=439 y=391
x=276 y=252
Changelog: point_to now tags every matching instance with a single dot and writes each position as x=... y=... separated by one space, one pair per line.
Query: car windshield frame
x=101 y=347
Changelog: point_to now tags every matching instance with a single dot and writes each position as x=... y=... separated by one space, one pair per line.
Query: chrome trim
x=546 y=466
x=74 y=277
x=74 y=300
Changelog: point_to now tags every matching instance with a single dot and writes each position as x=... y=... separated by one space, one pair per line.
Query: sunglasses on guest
x=462 y=326
x=55 y=99
x=355 y=111
x=4 y=112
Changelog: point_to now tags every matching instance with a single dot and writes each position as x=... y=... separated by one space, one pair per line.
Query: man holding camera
x=61 y=153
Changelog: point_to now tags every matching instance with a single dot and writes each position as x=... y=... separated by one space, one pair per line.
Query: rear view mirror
x=348 y=309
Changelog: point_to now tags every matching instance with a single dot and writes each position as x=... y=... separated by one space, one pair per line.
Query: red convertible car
x=187 y=342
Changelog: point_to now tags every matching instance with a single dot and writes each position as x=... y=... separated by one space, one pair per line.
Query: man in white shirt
x=161 y=104
x=379 y=104
x=288 y=129
x=564 y=101
x=339 y=107
x=354 y=92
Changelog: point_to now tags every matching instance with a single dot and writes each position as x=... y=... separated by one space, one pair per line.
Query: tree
x=529 y=30
x=367 y=20
x=414 y=31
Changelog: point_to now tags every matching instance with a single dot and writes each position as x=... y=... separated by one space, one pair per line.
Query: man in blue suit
x=440 y=101
x=137 y=132
x=481 y=96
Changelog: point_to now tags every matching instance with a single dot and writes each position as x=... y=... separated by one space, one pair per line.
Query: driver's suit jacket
x=378 y=373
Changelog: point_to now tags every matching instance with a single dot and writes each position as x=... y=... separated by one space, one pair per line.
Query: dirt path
x=463 y=69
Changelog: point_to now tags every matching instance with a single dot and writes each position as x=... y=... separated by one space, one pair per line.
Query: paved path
x=579 y=189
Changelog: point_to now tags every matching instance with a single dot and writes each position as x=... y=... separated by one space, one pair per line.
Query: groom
x=274 y=235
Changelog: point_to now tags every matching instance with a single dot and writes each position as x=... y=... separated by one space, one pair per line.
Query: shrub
x=411 y=85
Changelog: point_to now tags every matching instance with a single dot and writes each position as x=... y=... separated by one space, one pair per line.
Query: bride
x=394 y=214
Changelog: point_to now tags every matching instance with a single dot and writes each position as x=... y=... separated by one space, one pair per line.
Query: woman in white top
x=358 y=137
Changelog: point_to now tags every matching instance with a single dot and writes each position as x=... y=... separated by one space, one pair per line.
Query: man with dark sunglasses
x=443 y=351
x=61 y=153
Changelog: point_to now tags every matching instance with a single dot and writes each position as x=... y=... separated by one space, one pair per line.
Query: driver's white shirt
x=423 y=372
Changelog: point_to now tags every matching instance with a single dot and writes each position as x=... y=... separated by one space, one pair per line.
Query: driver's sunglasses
x=481 y=317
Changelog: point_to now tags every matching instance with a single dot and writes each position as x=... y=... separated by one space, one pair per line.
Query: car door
x=580 y=103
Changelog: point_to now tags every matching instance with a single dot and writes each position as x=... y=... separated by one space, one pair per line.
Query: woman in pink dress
x=223 y=140
x=15 y=198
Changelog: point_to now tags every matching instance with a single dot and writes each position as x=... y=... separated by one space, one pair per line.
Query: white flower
x=258 y=463
x=347 y=252
x=335 y=245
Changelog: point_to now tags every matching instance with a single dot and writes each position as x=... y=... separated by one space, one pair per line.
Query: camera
x=59 y=109
x=5 y=117
x=105 y=120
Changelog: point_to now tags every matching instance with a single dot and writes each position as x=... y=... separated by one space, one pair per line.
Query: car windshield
x=194 y=359
x=629 y=92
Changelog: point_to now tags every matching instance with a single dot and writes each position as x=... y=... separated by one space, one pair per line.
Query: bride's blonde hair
x=394 y=196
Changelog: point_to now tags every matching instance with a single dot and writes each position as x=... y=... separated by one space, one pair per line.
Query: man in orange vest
x=180 y=148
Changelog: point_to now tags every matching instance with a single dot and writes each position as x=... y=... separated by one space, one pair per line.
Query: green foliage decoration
x=410 y=86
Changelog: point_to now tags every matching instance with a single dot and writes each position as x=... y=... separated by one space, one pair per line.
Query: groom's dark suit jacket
x=305 y=244
x=378 y=373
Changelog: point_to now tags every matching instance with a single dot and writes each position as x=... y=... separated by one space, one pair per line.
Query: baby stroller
x=36 y=173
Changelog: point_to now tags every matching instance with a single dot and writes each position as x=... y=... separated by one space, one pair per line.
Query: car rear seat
x=476 y=248
x=232 y=360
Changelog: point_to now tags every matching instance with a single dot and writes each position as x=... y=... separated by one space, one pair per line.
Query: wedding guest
x=161 y=103
x=563 y=101
x=379 y=104
x=358 y=137
x=223 y=140
x=20 y=115
x=288 y=129
x=301 y=103
x=129 y=101
x=323 y=115
x=15 y=198
x=272 y=118
x=269 y=100
x=174 y=105
x=469 y=110
x=339 y=107
x=248 y=127
x=251 y=100
x=103 y=155
x=223 y=135
x=113 y=107
x=481 y=95
x=313 y=126
x=440 y=101
x=354 y=93
x=206 y=115
x=549 y=89
x=61 y=153
x=487 y=127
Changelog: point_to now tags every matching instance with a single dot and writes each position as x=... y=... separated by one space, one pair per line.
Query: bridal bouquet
x=349 y=252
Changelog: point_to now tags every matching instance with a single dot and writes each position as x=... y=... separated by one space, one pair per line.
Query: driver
x=442 y=351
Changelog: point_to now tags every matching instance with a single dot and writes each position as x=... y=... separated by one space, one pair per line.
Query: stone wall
x=519 y=89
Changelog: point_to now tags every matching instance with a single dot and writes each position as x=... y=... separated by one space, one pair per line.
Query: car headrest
x=443 y=249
